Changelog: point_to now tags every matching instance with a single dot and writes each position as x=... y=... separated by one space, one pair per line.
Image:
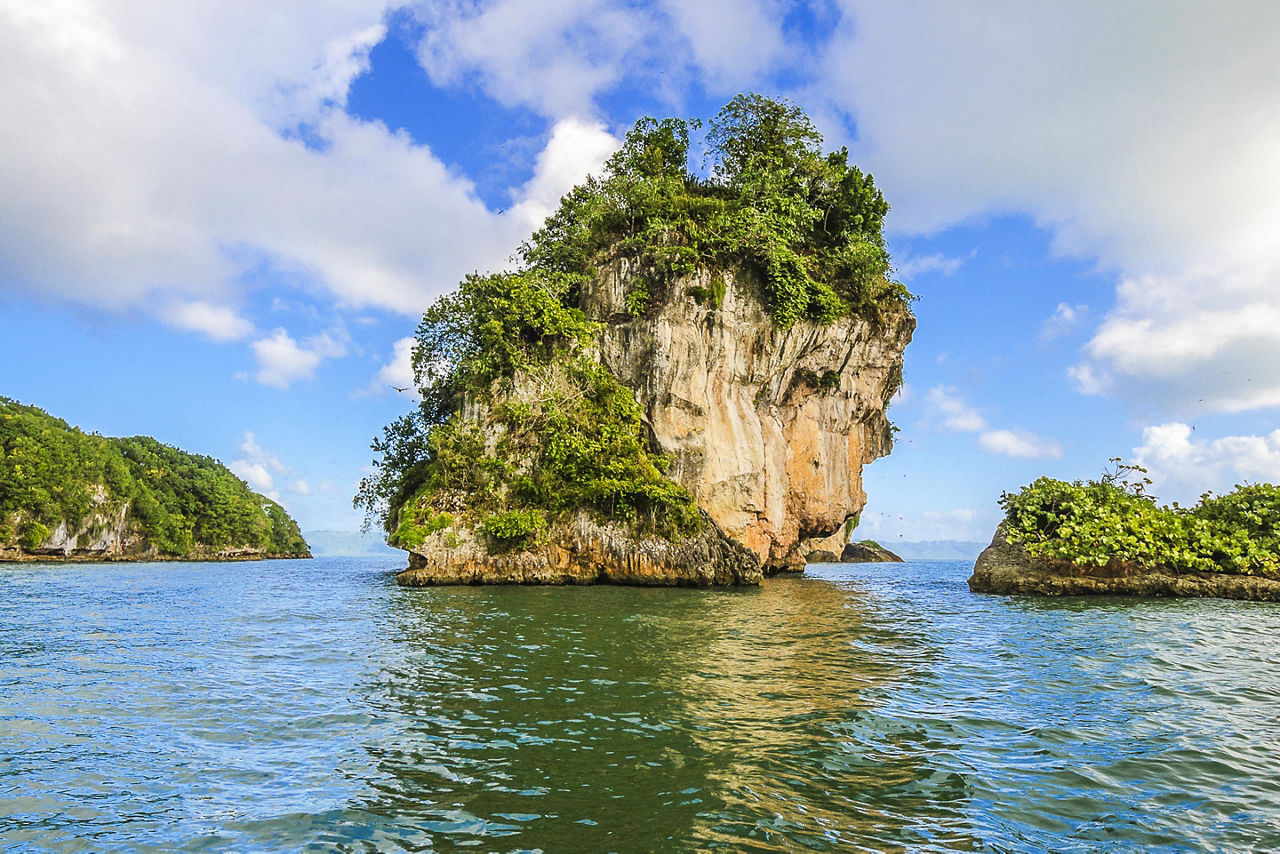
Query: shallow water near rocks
x=313 y=705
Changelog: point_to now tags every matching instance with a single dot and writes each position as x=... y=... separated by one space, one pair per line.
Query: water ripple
x=316 y=707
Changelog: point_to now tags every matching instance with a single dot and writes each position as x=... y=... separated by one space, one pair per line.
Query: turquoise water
x=315 y=706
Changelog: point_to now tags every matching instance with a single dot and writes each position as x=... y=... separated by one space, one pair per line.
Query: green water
x=315 y=706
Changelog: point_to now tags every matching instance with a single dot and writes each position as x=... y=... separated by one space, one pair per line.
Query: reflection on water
x=287 y=706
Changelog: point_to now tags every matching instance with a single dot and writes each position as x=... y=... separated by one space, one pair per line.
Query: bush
x=1113 y=519
x=514 y=529
x=33 y=536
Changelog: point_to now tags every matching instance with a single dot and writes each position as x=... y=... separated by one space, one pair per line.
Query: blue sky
x=220 y=224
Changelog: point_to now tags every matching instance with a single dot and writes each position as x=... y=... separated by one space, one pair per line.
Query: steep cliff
x=70 y=495
x=767 y=427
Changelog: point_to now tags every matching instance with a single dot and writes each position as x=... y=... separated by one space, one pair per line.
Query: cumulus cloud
x=159 y=161
x=1183 y=466
x=952 y=414
x=732 y=42
x=1019 y=443
x=259 y=468
x=956 y=415
x=576 y=148
x=1064 y=319
x=1141 y=135
x=555 y=56
x=396 y=374
x=283 y=361
x=912 y=266
x=559 y=56
x=218 y=322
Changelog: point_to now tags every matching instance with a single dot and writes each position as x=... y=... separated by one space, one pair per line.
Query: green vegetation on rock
x=810 y=225
x=1111 y=519
x=51 y=472
x=505 y=353
x=519 y=422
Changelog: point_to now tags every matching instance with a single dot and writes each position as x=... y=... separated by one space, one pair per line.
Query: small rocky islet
x=1109 y=537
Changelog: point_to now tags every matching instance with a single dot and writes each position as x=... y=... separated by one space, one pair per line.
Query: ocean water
x=315 y=706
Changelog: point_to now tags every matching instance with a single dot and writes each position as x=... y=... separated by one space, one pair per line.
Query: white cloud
x=1019 y=443
x=153 y=164
x=957 y=416
x=1141 y=135
x=959 y=524
x=1182 y=466
x=554 y=56
x=732 y=42
x=558 y=57
x=282 y=361
x=912 y=266
x=258 y=467
x=576 y=149
x=397 y=373
x=218 y=322
x=300 y=487
x=1065 y=318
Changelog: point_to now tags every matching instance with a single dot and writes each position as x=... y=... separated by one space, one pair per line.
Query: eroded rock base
x=584 y=551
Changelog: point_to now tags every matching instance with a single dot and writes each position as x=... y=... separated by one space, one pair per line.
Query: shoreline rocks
x=18 y=555
x=1007 y=569
x=581 y=550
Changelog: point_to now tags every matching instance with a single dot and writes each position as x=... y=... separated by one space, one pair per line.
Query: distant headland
x=67 y=495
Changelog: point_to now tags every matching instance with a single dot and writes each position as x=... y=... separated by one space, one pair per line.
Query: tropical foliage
x=1111 y=519
x=809 y=225
x=51 y=472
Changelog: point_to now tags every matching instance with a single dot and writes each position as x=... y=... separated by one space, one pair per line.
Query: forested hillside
x=63 y=490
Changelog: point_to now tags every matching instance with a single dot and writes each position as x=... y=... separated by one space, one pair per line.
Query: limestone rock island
x=678 y=386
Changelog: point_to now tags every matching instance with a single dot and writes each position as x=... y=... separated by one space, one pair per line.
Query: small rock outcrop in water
x=767 y=427
x=1008 y=569
x=66 y=495
x=868 y=551
x=581 y=550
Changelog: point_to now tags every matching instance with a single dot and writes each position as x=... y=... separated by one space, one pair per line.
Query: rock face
x=868 y=552
x=583 y=551
x=768 y=428
x=1005 y=568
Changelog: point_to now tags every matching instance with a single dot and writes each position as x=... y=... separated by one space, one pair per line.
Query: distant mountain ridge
x=939 y=549
x=70 y=495
x=351 y=544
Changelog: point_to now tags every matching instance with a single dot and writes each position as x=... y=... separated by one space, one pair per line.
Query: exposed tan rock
x=580 y=550
x=772 y=453
x=1006 y=568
